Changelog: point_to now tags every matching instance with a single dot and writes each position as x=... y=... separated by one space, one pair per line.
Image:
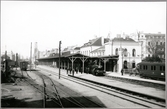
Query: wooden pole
x=59 y=56
x=30 y=55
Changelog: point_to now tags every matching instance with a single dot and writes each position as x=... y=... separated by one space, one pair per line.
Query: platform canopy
x=107 y=57
x=76 y=55
x=47 y=58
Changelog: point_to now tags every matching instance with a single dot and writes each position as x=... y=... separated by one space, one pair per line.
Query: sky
x=74 y=23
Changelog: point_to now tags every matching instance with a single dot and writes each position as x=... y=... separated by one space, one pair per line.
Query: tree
x=152 y=59
x=152 y=47
x=160 y=49
x=155 y=49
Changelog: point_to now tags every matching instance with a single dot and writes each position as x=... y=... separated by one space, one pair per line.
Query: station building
x=128 y=50
x=113 y=54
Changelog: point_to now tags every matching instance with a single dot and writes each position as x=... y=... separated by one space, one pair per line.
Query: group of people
x=76 y=69
x=132 y=71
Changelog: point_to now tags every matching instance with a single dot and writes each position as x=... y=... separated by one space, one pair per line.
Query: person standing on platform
x=67 y=71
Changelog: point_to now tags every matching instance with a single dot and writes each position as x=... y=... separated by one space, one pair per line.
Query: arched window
x=125 y=52
x=156 y=43
x=133 y=52
x=148 y=43
x=125 y=65
x=133 y=64
x=116 y=51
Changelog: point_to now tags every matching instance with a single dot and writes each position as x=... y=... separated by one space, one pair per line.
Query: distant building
x=158 y=39
x=47 y=53
x=71 y=50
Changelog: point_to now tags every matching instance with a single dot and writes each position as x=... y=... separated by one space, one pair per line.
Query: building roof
x=69 y=48
x=76 y=55
x=120 y=39
x=109 y=57
x=100 y=48
x=154 y=34
x=94 y=42
x=64 y=56
x=152 y=63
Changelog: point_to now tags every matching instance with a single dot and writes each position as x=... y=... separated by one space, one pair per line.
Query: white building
x=93 y=44
x=128 y=50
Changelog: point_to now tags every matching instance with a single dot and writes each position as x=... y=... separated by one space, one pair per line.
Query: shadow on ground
x=76 y=102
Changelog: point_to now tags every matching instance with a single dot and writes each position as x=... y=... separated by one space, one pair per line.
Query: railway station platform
x=133 y=87
x=134 y=78
x=115 y=75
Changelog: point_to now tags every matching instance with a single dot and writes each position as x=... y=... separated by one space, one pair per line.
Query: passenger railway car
x=23 y=65
x=154 y=70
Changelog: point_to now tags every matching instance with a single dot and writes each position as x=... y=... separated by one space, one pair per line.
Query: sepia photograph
x=83 y=54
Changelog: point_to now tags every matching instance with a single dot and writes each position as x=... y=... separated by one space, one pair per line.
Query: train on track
x=152 y=70
x=95 y=70
x=89 y=67
x=23 y=65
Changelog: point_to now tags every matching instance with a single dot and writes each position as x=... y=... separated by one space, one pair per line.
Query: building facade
x=152 y=44
x=93 y=44
x=129 y=52
x=130 y=49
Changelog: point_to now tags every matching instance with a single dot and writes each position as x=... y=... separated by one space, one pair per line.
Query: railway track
x=51 y=92
x=134 y=97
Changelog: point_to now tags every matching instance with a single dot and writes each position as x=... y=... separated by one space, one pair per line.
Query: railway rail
x=131 y=96
x=50 y=91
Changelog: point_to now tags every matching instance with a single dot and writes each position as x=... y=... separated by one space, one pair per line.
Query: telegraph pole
x=30 y=55
x=16 y=60
x=6 y=64
x=59 y=56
